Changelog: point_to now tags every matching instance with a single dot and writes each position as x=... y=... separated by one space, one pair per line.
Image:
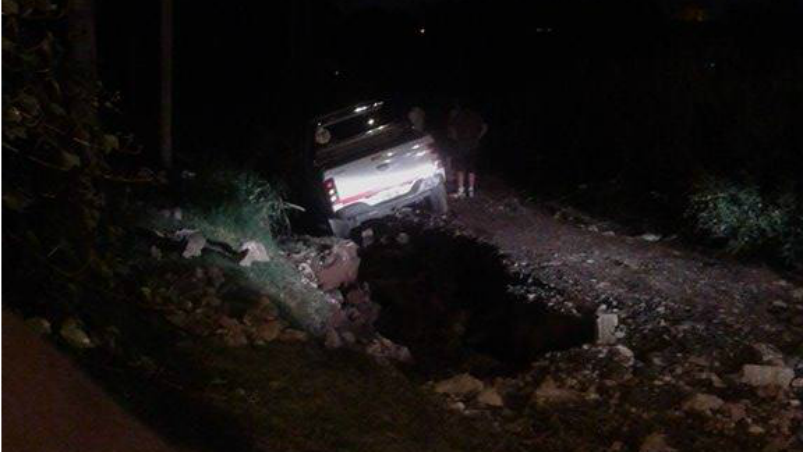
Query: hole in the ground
x=448 y=299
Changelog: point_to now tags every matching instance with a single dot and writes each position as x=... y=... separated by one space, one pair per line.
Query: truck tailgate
x=383 y=175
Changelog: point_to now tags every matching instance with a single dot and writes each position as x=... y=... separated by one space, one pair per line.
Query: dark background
x=646 y=95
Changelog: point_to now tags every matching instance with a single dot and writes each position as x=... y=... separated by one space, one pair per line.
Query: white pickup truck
x=371 y=164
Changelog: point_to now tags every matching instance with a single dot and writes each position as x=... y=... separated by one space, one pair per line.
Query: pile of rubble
x=194 y=302
x=655 y=404
x=332 y=265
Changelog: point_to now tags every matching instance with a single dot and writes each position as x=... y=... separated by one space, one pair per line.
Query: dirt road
x=597 y=265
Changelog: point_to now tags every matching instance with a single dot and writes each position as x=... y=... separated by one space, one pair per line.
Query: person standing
x=417 y=118
x=466 y=129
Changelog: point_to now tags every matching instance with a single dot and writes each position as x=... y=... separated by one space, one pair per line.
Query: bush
x=749 y=221
x=235 y=205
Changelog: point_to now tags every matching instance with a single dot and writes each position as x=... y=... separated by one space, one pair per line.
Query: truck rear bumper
x=354 y=215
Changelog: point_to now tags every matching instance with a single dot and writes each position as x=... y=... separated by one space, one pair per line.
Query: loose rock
x=490 y=397
x=548 y=393
x=656 y=443
x=72 y=332
x=293 y=335
x=756 y=375
x=195 y=243
x=255 y=252
x=703 y=403
x=606 y=328
x=459 y=385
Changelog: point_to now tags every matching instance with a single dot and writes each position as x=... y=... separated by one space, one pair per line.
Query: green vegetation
x=61 y=172
x=749 y=221
x=232 y=205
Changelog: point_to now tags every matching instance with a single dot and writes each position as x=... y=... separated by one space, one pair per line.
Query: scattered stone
x=339 y=267
x=756 y=375
x=402 y=238
x=703 y=403
x=797 y=294
x=74 y=335
x=779 y=305
x=735 y=411
x=333 y=339
x=267 y=332
x=650 y=237
x=231 y=332
x=656 y=442
x=264 y=312
x=384 y=349
x=461 y=384
x=548 y=393
x=624 y=355
x=195 y=245
x=307 y=274
x=769 y=354
x=606 y=328
x=39 y=325
x=755 y=429
x=293 y=335
x=457 y=406
x=348 y=337
x=490 y=397
x=255 y=252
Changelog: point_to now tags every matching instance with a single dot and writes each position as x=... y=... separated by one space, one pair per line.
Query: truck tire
x=438 y=200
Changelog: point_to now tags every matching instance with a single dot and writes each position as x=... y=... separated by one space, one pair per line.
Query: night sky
x=248 y=74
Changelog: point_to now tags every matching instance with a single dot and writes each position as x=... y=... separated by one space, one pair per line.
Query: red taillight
x=331 y=190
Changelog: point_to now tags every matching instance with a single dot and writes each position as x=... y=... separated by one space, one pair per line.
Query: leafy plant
x=235 y=205
x=747 y=220
x=58 y=180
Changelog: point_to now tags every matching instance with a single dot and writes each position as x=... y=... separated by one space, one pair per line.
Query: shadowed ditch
x=451 y=300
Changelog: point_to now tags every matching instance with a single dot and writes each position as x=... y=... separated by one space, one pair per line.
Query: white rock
x=797 y=294
x=195 y=245
x=756 y=375
x=606 y=328
x=459 y=385
x=256 y=252
x=650 y=237
x=72 y=332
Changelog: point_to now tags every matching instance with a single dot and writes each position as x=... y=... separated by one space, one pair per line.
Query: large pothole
x=454 y=303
